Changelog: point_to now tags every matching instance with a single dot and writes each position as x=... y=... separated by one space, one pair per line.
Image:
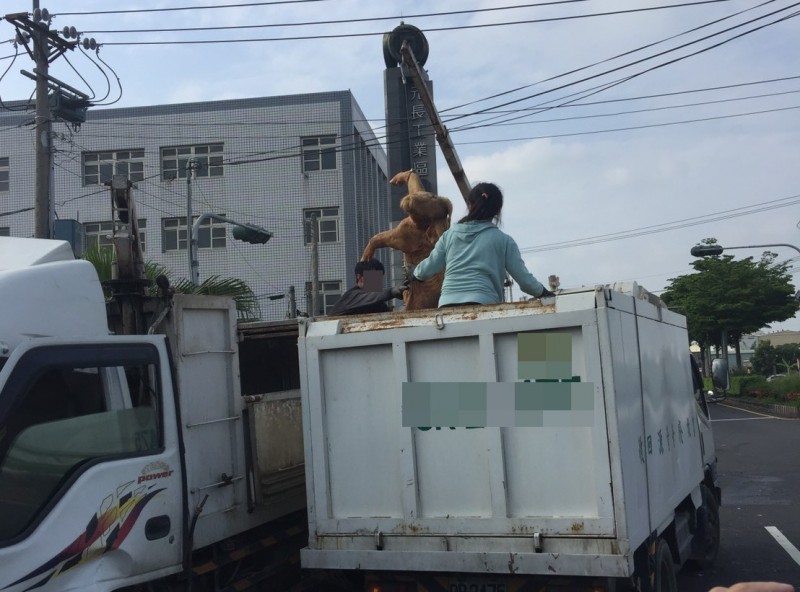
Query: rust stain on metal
x=394 y=320
x=410 y=529
x=577 y=527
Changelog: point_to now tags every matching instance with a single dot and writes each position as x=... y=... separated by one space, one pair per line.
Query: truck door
x=90 y=472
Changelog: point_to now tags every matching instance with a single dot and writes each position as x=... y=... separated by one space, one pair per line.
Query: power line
x=294 y=122
x=665 y=226
x=194 y=8
x=429 y=29
x=296 y=151
x=633 y=127
x=631 y=112
x=629 y=52
x=659 y=54
x=11 y=213
x=400 y=17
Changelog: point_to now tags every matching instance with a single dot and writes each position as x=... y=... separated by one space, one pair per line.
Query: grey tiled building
x=270 y=161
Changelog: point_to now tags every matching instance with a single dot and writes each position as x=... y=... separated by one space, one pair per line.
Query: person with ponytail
x=476 y=254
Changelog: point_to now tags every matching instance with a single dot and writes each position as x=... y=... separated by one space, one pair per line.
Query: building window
x=175 y=160
x=98 y=234
x=327 y=224
x=210 y=235
x=5 y=231
x=319 y=153
x=99 y=167
x=329 y=293
x=4 y=171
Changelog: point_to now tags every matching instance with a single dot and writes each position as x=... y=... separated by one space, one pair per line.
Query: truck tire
x=705 y=544
x=665 y=578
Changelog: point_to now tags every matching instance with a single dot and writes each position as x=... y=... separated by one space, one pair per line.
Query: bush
x=748 y=385
x=785 y=388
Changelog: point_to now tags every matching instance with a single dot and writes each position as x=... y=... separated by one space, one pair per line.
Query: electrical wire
x=652 y=68
x=633 y=111
x=2 y=104
x=628 y=52
x=665 y=226
x=400 y=17
x=633 y=127
x=193 y=8
x=116 y=77
x=294 y=122
x=670 y=62
x=429 y=29
x=96 y=65
x=89 y=86
x=11 y=213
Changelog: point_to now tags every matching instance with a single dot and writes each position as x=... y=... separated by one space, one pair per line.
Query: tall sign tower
x=410 y=137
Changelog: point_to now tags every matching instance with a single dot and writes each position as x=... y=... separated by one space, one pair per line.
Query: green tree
x=763 y=359
x=786 y=357
x=738 y=296
x=247 y=305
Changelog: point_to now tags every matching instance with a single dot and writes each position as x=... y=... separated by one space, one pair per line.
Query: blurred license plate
x=477 y=585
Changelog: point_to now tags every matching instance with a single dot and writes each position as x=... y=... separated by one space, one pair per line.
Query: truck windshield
x=62 y=410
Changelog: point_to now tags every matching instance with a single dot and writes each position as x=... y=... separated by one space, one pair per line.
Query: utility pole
x=191 y=166
x=314 y=266
x=44 y=154
x=44 y=46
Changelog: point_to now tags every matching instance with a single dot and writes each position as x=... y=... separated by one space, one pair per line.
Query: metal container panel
x=277 y=432
x=373 y=483
x=548 y=500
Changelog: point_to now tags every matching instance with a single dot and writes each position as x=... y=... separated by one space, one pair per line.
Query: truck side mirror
x=719 y=374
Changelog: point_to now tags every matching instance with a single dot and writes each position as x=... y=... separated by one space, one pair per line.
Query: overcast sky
x=631 y=163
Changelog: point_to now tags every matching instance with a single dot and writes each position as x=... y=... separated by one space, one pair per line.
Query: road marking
x=748 y=411
x=793 y=551
x=745 y=418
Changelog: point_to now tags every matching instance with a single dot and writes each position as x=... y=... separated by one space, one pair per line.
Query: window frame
x=322 y=218
x=317 y=152
x=324 y=294
x=209 y=231
x=104 y=243
x=5 y=170
x=136 y=159
x=179 y=156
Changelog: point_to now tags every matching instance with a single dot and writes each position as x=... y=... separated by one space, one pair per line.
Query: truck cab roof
x=46 y=292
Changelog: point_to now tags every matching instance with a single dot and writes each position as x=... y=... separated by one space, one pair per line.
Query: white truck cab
x=131 y=459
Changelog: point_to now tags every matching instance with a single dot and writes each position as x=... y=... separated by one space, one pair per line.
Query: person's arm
x=354 y=300
x=434 y=263
x=517 y=269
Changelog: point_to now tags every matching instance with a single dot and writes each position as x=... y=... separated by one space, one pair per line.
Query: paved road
x=759 y=470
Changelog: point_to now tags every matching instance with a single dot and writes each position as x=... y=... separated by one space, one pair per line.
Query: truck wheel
x=705 y=544
x=665 y=578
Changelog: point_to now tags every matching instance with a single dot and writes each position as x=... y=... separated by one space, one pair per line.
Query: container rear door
x=541 y=467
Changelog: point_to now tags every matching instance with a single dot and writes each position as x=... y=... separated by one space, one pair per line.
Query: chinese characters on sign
x=420 y=131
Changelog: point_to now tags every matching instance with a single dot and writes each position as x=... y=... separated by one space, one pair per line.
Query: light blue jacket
x=475 y=257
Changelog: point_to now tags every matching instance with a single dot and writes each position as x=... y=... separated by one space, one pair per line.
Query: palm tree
x=247 y=305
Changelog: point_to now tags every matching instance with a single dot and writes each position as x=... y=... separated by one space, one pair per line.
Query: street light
x=708 y=250
x=249 y=233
